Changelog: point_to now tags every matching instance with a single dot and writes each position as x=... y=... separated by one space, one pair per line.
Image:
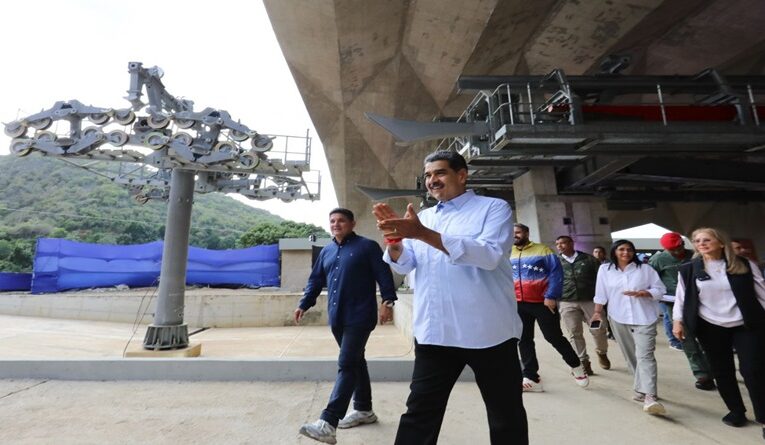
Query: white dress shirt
x=717 y=304
x=466 y=298
x=611 y=284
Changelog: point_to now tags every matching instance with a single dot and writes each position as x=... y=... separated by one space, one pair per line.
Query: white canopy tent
x=646 y=237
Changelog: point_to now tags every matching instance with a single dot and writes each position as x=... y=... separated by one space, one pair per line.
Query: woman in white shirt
x=720 y=299
x=632 y=291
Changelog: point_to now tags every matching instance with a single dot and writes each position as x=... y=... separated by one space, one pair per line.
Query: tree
x=5 y=249
x=59 y=232
x=71 y=203
x=270 y=233
x=19 y=259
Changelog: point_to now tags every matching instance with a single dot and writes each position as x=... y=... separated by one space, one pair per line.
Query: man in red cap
x=666 y=264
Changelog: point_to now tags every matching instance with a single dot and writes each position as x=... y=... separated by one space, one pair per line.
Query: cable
x=137 y=321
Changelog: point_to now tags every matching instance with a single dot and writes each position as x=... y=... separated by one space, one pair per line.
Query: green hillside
x=42 y=197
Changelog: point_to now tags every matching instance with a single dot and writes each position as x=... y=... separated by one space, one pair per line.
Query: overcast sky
x=221 y=54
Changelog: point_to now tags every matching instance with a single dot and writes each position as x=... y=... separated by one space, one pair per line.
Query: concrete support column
x=548 y=215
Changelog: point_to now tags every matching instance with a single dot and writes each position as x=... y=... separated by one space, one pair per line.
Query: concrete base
x=193 y=350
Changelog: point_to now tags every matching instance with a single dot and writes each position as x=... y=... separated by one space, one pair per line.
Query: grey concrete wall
x=539 y=206
x=223 y=308
x=296 y=268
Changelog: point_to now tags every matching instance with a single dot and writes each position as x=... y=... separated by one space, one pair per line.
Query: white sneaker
x=580 y=377
x=652 y=406
x=355 y=418
x=532 y=386
x=319 y=430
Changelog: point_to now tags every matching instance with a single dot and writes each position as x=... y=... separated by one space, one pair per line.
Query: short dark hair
x=600 y=247
x=565 y=237
x=615 y=245
x=523 y=227
x=342 y=211
x=455 y=160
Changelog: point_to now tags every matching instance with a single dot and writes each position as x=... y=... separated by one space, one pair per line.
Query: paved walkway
x=41 y=338
x=151 y=412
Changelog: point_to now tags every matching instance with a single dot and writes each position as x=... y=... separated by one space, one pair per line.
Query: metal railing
x=557 y=103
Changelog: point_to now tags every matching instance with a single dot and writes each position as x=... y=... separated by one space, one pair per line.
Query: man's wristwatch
x=389 y=303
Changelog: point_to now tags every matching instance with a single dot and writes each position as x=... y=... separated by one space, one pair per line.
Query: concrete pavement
x=124 y=412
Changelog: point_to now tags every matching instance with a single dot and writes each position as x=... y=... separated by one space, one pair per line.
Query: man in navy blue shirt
x=348 y=267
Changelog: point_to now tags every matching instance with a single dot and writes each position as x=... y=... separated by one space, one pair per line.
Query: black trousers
x=436 y=369
x=718 y=342
x=549 y=324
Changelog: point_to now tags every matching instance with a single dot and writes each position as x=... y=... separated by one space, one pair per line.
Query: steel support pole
x=168 y=330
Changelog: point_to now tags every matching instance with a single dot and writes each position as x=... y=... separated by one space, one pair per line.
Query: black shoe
x=734 y=419
x=705 y=384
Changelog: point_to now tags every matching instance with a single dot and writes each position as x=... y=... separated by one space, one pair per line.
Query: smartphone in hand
x=595 y=325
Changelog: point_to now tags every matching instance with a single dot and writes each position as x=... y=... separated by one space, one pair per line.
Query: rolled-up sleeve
x=656 y=287
x=406 y=262
x=489 y=248
x=601 y=292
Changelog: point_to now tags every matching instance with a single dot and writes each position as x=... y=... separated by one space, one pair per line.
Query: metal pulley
x=261 y=143
x=15 y=129
x=124 y=116
x=155 y=140
x=118 y=138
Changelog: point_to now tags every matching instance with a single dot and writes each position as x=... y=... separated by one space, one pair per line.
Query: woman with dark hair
x=632 y=291
x=720 y=299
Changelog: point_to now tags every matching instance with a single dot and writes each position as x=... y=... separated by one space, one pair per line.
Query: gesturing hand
x=407 y=227
x=384 y=212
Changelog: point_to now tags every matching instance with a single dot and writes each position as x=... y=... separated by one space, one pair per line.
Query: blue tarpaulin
x=15 y=281
x=61 y=264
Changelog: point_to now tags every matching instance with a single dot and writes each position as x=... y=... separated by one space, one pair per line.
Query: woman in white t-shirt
x=720 y=299
x=632 y=290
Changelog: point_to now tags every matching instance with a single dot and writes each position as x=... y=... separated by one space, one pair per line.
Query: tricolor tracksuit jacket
x=537 y=273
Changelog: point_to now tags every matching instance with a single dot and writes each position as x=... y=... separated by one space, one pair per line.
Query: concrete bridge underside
x=402 y=58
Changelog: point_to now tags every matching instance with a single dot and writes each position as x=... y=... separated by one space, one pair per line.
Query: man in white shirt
x=464 y=308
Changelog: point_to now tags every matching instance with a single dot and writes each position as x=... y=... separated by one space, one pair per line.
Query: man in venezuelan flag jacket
x=538 y=279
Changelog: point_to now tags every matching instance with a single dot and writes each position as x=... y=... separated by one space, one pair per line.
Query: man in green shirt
x=666 y=263
x=576 y=306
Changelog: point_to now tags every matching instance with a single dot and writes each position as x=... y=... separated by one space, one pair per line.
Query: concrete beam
x=718 y=32
x=651 y=28
x=439 y=38
x=578 y=32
